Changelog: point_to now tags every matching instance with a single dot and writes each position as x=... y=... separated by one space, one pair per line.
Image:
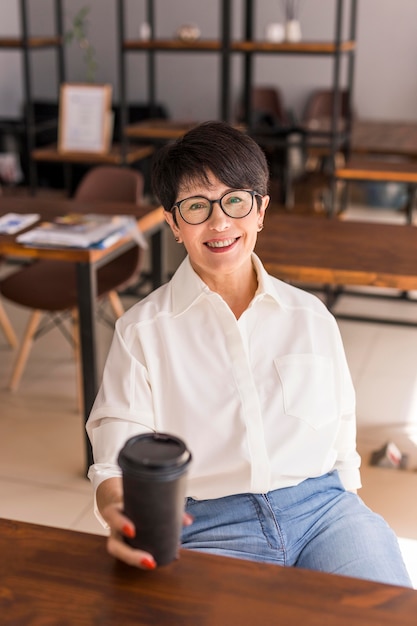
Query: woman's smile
x=219 y=245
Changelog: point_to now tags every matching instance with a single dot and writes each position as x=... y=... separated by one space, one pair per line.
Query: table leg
x=87 y=290
x=411 y=200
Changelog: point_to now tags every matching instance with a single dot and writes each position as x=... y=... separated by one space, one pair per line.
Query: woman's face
x=221 y=245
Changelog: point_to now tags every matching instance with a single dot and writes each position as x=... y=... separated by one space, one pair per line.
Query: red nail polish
x=148 y=563
x=128 y=531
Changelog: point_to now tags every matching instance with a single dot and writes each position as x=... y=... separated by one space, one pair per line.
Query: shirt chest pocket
x=308 y=388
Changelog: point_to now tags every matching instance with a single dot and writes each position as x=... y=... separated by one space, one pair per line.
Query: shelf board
x=301 y=47
x=33 y=42
x=114 y=156
x=173 y=44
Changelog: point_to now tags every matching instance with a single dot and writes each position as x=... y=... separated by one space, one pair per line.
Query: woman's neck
x=236 y=290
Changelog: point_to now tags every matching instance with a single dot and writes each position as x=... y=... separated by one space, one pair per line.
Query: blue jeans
x=316 y=525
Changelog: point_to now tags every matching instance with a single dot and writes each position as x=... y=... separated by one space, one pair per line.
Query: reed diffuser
x=292 y=23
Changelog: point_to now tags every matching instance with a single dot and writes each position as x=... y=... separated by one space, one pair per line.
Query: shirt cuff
x=98 y=473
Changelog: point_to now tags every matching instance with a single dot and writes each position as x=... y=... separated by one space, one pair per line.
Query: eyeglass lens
x=235 y=204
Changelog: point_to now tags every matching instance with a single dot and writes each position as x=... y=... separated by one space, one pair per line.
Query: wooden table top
x=54 y=576
x=368 y=138
x=159 y=129
x=337 y=252
x=113 y=156
x=163 y=129
x=385 y=138
x=149 y=219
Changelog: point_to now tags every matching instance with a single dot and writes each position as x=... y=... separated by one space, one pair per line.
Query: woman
x=250 y=372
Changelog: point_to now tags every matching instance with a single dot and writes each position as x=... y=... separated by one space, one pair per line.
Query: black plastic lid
x=154 y=451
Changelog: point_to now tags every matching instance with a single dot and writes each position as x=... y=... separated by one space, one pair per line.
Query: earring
x=177 y=239
x=260 y=227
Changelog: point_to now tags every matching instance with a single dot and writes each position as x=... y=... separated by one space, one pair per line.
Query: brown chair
x=272 y=126
x=50 y=286
x=319 y=108
x=7 y=327
x=318 y=115
x=268 y=102
x=5 y=323
x=267 y=108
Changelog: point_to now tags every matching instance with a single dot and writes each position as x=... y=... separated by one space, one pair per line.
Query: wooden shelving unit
x=225 y=47
x=366 y=170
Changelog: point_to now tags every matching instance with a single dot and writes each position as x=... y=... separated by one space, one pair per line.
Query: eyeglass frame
x=252 y=192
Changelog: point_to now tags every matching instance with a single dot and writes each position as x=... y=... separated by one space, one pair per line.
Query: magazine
x=12 y=223
x=82 y=231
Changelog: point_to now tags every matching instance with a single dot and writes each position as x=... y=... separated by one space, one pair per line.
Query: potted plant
x=85 y=113
x=79 y=33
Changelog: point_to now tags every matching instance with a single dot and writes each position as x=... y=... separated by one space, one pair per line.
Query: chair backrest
x=105 y=184
x=112 y=184
x=267 y=107
x=320 y=105
x=269 y=101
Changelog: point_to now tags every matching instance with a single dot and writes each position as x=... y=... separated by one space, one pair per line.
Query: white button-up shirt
x=262 y=402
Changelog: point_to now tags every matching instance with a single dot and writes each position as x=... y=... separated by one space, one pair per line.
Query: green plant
x=79 y=33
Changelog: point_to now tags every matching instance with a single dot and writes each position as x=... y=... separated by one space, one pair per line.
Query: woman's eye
x=234 y=200
x=196 y=206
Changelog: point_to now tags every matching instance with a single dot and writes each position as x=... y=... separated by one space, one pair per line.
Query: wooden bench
x=381 y=171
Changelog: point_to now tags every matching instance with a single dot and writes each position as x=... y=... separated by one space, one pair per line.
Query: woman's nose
x=218 y=219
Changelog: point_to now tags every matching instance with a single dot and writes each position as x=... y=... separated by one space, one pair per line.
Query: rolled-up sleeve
x=122 y=409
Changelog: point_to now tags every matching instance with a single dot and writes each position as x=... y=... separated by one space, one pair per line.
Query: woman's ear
x=264 y=206
x=261 y=212
x=170 y=220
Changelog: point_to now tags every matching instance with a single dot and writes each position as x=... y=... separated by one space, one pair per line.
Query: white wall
x=188 y=84
x=10 y=66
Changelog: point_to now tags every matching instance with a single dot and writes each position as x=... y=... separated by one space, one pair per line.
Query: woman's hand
x=120 y=527
x=110 y=504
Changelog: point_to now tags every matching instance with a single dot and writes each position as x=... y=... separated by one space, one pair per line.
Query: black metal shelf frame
x=26 y=47
x=227 y=48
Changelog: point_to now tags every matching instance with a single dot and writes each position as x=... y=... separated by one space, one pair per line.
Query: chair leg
x=116 y=304
x=24 y=349
x=7 y=327
x=77 y=357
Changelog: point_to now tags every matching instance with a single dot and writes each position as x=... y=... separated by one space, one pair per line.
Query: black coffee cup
x=154 y=468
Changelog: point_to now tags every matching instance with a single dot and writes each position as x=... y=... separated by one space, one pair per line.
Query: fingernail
x=128 y=531
x=148 y=563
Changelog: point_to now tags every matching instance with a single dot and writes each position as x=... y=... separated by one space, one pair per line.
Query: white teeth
x=220 y=244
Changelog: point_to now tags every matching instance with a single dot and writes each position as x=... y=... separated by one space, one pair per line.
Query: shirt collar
x=188 y=288
x=266 y=286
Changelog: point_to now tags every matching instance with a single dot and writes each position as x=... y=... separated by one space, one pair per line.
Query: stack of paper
x=80 y=231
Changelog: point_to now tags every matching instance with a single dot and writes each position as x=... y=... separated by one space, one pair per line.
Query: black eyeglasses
x=197 y=209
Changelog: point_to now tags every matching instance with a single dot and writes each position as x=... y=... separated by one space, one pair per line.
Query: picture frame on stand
x=85 y=118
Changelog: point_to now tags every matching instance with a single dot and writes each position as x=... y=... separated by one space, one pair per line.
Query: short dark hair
x=231 y=156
